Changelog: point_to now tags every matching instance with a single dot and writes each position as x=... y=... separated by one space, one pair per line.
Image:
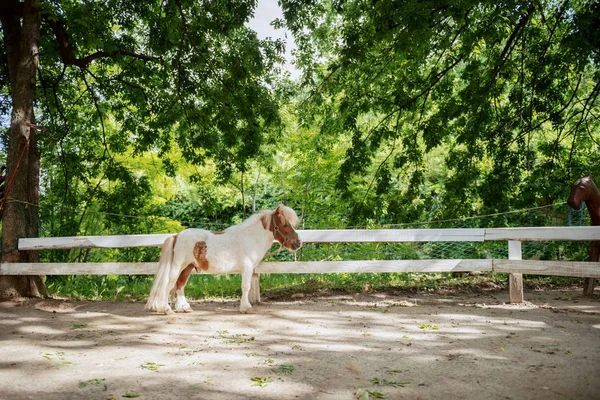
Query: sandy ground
x=343 y=347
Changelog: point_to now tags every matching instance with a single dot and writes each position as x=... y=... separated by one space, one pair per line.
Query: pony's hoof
x=185 y=308
x=159 y=310
x=245 y=310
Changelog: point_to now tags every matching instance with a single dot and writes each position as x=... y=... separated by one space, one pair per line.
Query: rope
x=31 y=127
x=274 y=253
x=570 y=218
x=27 y=203
x=468 y=218
x=15 y=172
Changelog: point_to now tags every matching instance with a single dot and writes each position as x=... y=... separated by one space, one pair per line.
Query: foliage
x=261 y=381
x=506 y=90
x=151 y=366
x=162 y=80
x=284 y=369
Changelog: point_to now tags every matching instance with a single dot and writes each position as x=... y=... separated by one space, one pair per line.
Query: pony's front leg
x=254 y=295
x=245 y=305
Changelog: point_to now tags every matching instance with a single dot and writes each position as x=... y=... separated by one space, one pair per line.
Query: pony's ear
x=279 y=211
x=284 y=213
x=279 y=214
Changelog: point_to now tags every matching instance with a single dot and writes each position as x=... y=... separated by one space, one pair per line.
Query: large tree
x=505 y=91
x=124 y=77
x=21 y=31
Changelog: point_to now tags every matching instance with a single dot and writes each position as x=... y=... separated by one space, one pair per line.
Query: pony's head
x=581 y=190
x=282 y=224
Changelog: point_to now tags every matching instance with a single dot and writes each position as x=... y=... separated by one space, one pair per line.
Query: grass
x=131 y=287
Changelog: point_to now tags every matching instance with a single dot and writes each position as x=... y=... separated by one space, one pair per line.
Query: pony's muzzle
x=296 y=244
x=574 y=204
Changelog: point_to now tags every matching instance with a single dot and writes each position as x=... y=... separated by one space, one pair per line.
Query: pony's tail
x=158 y=300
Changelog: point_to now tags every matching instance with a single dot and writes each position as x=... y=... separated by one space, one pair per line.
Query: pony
x=584 y=190
x=238 y=249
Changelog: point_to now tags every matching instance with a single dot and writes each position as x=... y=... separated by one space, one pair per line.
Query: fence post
x=254 y=294
x=588 y=286
x=515 y=281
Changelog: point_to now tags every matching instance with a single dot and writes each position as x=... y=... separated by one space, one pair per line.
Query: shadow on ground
x=426 y=347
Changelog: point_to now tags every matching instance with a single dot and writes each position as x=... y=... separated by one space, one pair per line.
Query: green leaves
x=151 y=366
x=129 y=89
x=484 y=85
x=261 y=381
x=429 y=327
x=92 y=382
x=284 y=369
x=386 y=382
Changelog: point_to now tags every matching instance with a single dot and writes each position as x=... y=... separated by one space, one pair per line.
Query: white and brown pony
x=238 y=249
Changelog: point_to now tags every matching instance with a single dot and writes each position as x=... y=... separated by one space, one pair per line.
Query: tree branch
x=590 y=100
x=384 y=161
x=68 y=57
x=509 y=43
x=100 y=115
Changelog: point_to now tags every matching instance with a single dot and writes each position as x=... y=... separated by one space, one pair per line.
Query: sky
x=267 y=11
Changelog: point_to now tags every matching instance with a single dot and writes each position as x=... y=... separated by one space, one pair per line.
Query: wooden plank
x=86 y=242
x=392 y=235
x=307 y=236
x=534 y=267
x=582 y=269
x=515 y=280
x=146 y=268
x=584 y=233
x=579 y=233
x=304 y=267
x=116 y=268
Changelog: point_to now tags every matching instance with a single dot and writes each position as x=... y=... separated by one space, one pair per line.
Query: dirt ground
x=338 y=347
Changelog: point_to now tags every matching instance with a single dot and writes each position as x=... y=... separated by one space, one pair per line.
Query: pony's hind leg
x=158 y=299
x=181 y=304
x=177 y=267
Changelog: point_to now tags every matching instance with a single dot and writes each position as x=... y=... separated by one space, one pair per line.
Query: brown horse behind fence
x=584 y=190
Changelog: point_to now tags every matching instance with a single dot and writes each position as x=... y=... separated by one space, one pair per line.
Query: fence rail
x=515 y=266
x=583 y=233
x=531 y=267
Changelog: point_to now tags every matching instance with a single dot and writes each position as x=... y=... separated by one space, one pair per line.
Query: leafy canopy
x=171 y=78
x=507 y=90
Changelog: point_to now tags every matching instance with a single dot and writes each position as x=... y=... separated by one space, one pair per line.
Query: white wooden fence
x=514 y=265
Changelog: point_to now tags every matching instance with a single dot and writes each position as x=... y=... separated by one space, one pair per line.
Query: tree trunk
x=20 y=211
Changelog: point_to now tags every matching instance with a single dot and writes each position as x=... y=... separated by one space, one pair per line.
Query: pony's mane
x=249 y=221
x=288 y=213
x=585 y=180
